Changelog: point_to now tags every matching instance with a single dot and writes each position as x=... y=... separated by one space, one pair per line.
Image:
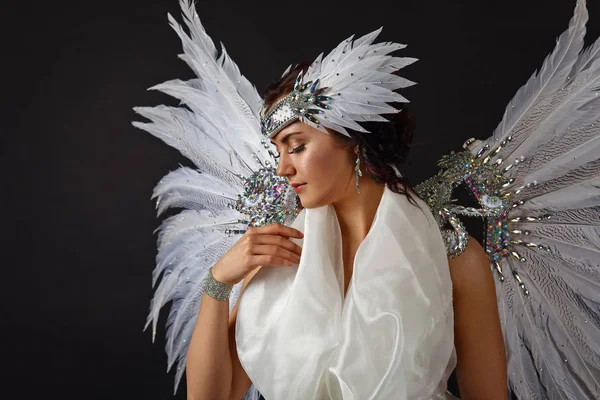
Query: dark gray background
x=77 y=177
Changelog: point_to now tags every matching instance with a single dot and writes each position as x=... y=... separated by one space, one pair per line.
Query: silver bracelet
x=215 y=289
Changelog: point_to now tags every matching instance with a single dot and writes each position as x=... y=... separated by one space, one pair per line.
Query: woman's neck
x=356 y=212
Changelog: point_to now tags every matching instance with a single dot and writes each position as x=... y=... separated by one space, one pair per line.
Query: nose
x=285 y=167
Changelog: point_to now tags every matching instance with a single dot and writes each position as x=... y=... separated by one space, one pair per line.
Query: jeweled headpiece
x=294 y=105
x=352 y=84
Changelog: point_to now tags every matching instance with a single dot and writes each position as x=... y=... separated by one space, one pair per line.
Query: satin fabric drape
x=390 y=338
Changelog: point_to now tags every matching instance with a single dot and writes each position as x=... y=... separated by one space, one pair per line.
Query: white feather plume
x=551 y=77
x=218 y=130
x=552 y=334
x=360 y=79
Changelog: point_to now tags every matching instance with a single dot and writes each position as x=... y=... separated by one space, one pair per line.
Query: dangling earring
x=357 y=171
x=398 y=174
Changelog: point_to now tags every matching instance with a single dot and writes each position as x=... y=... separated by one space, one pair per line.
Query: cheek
x=324 y=166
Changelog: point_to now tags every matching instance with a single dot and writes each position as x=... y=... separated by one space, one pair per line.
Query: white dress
x=392 y=337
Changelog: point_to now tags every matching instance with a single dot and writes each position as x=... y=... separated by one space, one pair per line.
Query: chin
x=308 y=201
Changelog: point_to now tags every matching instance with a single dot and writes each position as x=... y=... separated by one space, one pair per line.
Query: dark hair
x=382 y=149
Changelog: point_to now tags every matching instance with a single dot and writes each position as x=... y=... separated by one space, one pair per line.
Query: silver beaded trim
x=215 y=289
x=298 y=103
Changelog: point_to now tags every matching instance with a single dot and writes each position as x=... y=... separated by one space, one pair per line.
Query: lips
x=295 y=185
x=299 y=187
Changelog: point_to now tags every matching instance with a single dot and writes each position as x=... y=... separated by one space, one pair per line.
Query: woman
x=354 y=297
x=322 y=168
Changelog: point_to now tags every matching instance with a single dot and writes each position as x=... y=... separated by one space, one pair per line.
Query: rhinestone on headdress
x=297 y=104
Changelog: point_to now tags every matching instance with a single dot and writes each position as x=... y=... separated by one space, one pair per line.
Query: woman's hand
x=266 y=245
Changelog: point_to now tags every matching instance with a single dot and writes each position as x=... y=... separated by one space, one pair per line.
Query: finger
x=278 y=241
x=276 y=251
x=271 y=261
x=278 y=229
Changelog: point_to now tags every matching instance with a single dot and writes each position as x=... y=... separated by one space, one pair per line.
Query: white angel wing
x=218 y=129
x=548 y=149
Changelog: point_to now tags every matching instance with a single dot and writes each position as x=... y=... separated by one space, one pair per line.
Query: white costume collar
x=391 y=338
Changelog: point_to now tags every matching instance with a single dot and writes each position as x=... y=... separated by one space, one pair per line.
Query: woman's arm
x=213 y=369
x=209 y=363
x=481 y=365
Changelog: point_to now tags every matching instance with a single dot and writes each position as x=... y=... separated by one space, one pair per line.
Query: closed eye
x=297 y=149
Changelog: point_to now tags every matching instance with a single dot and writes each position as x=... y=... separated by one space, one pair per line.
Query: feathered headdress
x=351 y=84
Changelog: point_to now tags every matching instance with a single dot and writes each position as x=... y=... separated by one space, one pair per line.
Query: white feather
x=551 y=77
x=552 y=333
x=360 y=80
x=219 y=131
x=581 y=195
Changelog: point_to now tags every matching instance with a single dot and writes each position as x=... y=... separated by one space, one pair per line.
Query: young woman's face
x=313 y=159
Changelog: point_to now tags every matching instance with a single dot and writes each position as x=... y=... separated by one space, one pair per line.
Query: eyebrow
x=285 y=139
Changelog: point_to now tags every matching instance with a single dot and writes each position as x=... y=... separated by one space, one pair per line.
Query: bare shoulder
x=470 y=271
x=474 y=254
x=481 y=367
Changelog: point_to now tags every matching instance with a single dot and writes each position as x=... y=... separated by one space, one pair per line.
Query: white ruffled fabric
x=392 y=337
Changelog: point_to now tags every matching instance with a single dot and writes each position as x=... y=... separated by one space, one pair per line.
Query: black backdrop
x=77 y=177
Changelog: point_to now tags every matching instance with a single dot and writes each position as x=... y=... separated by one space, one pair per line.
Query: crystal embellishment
x=299 y=104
